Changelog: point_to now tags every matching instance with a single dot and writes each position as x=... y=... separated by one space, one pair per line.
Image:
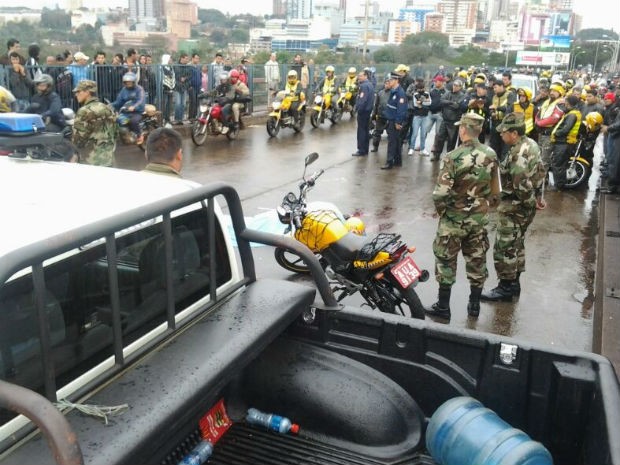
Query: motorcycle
x=322 y=109
x=150 y=120
x=379 y=268
x=281 y=117
x=211 y=122
x=346 y=101
x=580 y=163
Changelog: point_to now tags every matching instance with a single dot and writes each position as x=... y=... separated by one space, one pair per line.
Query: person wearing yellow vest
x=294 y=89
x=501 y=103
x=328 y=86
x=548 y=115
x=524 y=105
x=564 y=138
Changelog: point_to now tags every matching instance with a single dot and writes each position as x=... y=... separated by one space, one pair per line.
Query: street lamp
x=598 y=42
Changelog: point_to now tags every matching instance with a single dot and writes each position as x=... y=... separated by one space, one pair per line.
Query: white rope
x=100 y=411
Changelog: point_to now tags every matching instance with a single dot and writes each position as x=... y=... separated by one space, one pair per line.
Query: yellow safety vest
x=571 y=137
x=528 y=115
x=500 y=102
x=547 y=108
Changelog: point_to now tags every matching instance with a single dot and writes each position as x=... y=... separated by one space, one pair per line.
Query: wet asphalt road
x=556 y=303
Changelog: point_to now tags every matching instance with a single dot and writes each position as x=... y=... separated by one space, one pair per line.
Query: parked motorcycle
x=322 y=109
x=211 y=121
x=580 y=163
x=151 y=119
x=380 y=268
x=282 y=116
x=346 y=102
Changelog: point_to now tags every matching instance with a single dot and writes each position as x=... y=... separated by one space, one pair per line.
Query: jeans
x=179 y=104
x=419 y=125
x=433 y=119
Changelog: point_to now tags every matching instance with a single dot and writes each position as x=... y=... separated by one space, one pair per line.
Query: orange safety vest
x=528 y=115
x=571 y=137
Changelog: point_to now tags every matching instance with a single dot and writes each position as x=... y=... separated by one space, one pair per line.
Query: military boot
x=503 y=292
x=473 y=307
x=441 y=308
x=516 y=286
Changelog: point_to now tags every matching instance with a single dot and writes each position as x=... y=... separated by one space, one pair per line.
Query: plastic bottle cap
x=294 y=428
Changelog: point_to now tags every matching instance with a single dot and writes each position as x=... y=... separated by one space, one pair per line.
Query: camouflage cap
x=90 y=86
x=511 y=121
x=472 y=120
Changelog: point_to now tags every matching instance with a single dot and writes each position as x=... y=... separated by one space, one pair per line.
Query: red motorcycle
x=212 y=122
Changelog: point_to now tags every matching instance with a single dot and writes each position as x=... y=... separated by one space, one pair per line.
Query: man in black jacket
x=453 y=105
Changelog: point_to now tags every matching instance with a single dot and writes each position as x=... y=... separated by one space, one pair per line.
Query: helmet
x=594 y=120
x=223 y=78
x=352 y=72
x=44 y=79
x=525 y=91
x=292 y=76
x=356 y=226
x=463 y=74
x=234 y=76
x=569 y=84
x=329 y=68
x=402 y=68
x=129 y=77
x=558 y=88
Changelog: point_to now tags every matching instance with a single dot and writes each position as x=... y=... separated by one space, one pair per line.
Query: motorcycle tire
x=336 y=116
x=199 y=132
x=302 y=122
x=290 y=261
x=273 y=126
x=314 y=119
x=577 y=175
x=390 y=302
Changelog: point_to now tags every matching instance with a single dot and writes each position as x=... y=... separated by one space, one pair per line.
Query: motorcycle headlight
x=203 y=107
x=276 y=105
x=318 y=99
x=284 y=215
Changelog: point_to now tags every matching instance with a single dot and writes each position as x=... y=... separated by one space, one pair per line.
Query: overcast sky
x=596 y=13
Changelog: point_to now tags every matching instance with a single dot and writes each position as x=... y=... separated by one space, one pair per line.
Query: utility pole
x=365 y=31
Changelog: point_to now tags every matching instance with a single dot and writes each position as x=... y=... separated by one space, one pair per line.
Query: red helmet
x=233 y=76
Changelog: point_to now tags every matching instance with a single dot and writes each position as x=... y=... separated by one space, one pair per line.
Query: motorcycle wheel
x=290 y=261
x=302 y=122
x=336 y=115
x=273 y=126
x=199 y=132
x=392 y=300
x=314 y=119
x=577 y=175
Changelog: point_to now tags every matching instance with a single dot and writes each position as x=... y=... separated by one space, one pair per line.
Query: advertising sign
x=542 y=58
x=555 y=41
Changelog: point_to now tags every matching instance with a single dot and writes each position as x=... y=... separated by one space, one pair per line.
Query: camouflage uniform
x=461 y=198
x=94 y=133
x=522 y=173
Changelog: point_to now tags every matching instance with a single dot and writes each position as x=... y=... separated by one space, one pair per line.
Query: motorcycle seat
x=349 y=245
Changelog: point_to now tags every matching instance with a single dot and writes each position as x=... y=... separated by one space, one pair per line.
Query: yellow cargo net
x=320 y=229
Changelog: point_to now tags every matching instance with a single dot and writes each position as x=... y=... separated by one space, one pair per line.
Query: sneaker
x=425 y=153
x=410 y=152
x=225 y=130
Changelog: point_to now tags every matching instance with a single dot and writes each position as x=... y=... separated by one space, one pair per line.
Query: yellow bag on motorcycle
x=320 y=229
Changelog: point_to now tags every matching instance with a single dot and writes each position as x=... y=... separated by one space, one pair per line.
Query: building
x=415 y=15
x=279 y=8
x=15 y=15
x=146 y=10
x=459 y=20
x=398 y=29
x=298 y=9
x=330 y=10
x=435 y=22
x=180 y=16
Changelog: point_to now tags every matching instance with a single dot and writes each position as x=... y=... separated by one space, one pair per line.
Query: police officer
x=395 y=113
x=462 y=197
x=381 y=99
x=94 y=128
x=522 y=173
x=363 y=106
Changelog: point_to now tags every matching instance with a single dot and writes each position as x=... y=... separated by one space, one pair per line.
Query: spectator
x=64 y=81
x=20 y=83
x=217 y=68
x=12 y=45
x=272 y=77
x=453 y=105
x=131 y=62
x=118 y=70
x=302 y=71
x=194 y=86
x=204 y=78
x=168 y=82
x=183 y=74
x=103 y=77
x=434 y=114
x=419 y=104
x=80 y=70
x=502 y=102
x=32 y=64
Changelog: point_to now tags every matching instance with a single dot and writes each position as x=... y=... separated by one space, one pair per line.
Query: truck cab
x=128 y=323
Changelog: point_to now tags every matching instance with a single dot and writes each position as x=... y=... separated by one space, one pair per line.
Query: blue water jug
x=463 y=432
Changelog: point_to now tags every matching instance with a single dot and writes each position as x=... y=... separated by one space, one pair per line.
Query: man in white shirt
x=272 y=77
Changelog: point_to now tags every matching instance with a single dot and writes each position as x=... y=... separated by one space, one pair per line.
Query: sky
x=596 y=13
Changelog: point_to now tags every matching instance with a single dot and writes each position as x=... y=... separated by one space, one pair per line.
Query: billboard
x=555 y=41
x=542 y=58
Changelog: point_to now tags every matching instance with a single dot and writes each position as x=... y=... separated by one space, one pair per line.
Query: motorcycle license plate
x=406 y=272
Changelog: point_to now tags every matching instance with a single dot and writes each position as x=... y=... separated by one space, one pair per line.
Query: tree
x=55 y=19
x=387 y=54
x=212 y=16
x=240 y=36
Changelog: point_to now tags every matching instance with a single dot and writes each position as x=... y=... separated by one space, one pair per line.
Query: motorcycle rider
x=47 y=103
x=351 y=85
x=548 y=115
x=502 y=102
x=564 y=138
x=295 y=91
x=235 y=94
x=328 y=86
x=130 y=104
x=524 y=105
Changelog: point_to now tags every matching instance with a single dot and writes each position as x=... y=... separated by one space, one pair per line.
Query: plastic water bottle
x=198 y=454
x=271 y=421
x=463 y=432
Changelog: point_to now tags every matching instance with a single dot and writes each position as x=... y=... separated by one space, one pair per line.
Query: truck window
x=78 y=302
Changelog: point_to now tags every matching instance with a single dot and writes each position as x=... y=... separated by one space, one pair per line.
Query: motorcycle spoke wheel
x=302 y=122
x=290 y=261
x=199 y=132
x=576 y=175
x=273 y=126
x=314 y=119
x=404 y=302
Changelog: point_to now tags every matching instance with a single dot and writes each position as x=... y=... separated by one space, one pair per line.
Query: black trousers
x=395 y=147
x=363 y=133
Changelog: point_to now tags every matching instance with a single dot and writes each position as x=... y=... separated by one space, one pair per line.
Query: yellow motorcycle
x=323 y=108
x=282 y=116
x=346 y=101
x=380 y=268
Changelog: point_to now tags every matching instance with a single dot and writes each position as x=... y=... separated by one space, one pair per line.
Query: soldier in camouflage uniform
x=522 y=173
x=94 y=129
x=462 y=198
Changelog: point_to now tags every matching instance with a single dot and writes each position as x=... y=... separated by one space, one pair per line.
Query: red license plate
x=406 y=272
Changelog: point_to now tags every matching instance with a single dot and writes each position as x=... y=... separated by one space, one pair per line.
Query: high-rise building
x=298 y=9
x=146 y=10
x=459 y=20
x=279 y=8
x=180 y=16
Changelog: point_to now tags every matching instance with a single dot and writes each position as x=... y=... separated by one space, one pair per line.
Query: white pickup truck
x=120 y=296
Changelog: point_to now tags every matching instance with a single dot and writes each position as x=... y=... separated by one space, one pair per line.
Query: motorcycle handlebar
x=312 y=179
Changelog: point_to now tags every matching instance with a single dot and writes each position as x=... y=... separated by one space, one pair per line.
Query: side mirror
x=311 y=158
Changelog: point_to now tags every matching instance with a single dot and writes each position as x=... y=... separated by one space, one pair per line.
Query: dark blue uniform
x=396 y=114
x=363 y=105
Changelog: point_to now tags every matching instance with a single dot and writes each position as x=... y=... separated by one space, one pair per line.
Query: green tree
x=212 y=16
x=55 y=19
x=240 y=36
x=387 y=54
